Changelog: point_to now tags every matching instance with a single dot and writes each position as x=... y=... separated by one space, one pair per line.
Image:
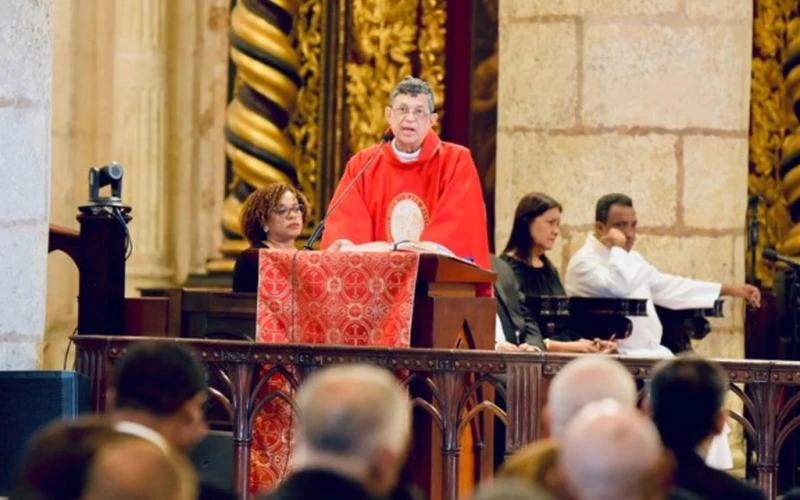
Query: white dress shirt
x=596 y=271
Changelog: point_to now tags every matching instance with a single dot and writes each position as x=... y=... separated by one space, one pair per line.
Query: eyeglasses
x=284 y=211
x=403 y=111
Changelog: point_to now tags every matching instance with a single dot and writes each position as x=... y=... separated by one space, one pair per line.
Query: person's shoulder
x=458 y=156
x=453 y=148
x=699 y=478
x=363 y=155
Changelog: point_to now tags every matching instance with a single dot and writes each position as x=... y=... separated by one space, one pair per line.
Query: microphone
x=773 y=256
x=753 y=204
x=388 y=136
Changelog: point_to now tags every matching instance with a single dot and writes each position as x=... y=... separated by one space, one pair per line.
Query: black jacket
x=318 y=484
x=514 y=316
x=695 y=476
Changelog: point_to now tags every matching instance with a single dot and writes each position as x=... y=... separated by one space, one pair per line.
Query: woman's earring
x=266 y=229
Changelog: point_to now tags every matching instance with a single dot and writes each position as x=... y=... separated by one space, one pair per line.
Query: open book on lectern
x=406 y=246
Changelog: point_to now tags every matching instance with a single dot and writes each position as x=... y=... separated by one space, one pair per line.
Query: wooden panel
x=147 y=316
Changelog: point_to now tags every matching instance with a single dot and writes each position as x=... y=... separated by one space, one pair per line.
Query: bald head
x=355 y=420
x=585 y=380
x=612 y=452
x=135 y=469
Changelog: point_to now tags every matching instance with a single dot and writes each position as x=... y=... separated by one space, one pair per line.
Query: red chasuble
x=437 y=198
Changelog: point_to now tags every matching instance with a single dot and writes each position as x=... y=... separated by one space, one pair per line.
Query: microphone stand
x=321 y=226
x=754 y=203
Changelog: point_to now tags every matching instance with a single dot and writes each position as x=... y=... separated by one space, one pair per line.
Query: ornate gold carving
x=304 y=128
x=386 y=37
x=266 y=90
x=775 y=23
x=432 y=46
x=383 y=36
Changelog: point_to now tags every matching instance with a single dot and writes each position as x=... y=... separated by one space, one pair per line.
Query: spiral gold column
x=266 y=88
x=790 y=162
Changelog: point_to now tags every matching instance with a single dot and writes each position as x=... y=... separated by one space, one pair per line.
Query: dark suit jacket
x=681 y=494
x=318 y=484
x=695 y=476
x=245 y=272
x=514 y=316
x=208 y=491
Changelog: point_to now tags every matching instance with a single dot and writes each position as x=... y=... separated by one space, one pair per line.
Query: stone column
x=648 y=98
x=26 y=53
x=140 y=131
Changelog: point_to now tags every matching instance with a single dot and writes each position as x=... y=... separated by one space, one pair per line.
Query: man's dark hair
x=157 y=377
x=686 y=395
x=605 y=203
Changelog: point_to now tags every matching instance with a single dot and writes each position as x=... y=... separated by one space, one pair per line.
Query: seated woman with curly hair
x=272 y=217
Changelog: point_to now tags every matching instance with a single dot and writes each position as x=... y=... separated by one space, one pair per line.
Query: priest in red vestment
x=418 y=187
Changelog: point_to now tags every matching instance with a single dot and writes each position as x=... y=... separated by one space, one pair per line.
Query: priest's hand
x=748 y=292
x=339 y=244
x=613 y=238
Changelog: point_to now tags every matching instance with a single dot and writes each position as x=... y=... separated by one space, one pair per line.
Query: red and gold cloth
x=336 y=298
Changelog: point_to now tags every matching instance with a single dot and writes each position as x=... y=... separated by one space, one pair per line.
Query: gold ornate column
x=771 y=118
x=790 y=162
x=266 y=88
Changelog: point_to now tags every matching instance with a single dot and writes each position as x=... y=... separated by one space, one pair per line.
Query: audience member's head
x=537 y=464
x=583 y=381
x=687 y=394
x=615 y=211
x=510 y=489
x=162 y=385
x=354 y=421
x=56 y=464
x=613 y=452
x=135 y=469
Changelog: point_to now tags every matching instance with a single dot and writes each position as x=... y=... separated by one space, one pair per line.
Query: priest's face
x=285 y=220
x=545 y=229
x=410 y=118
x=624 y=219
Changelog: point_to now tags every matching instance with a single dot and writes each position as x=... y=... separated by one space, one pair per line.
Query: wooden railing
x=450 y=401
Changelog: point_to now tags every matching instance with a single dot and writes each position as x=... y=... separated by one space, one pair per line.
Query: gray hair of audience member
x=610 y=451
x=413 y=86
x=511 y=489
x=349 y=413
x=586 y=380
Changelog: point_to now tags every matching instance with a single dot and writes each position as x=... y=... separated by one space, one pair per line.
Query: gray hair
x=413 y=86
x=586 y=380
x=610 y=452
x=351 y=412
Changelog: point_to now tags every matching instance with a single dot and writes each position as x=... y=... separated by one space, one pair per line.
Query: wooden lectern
x=447 y=314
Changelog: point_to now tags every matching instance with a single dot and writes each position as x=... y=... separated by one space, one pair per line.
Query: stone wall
x=649 y=98
x=26 y=54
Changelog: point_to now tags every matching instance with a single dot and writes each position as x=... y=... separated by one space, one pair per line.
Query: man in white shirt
x=607 y=266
